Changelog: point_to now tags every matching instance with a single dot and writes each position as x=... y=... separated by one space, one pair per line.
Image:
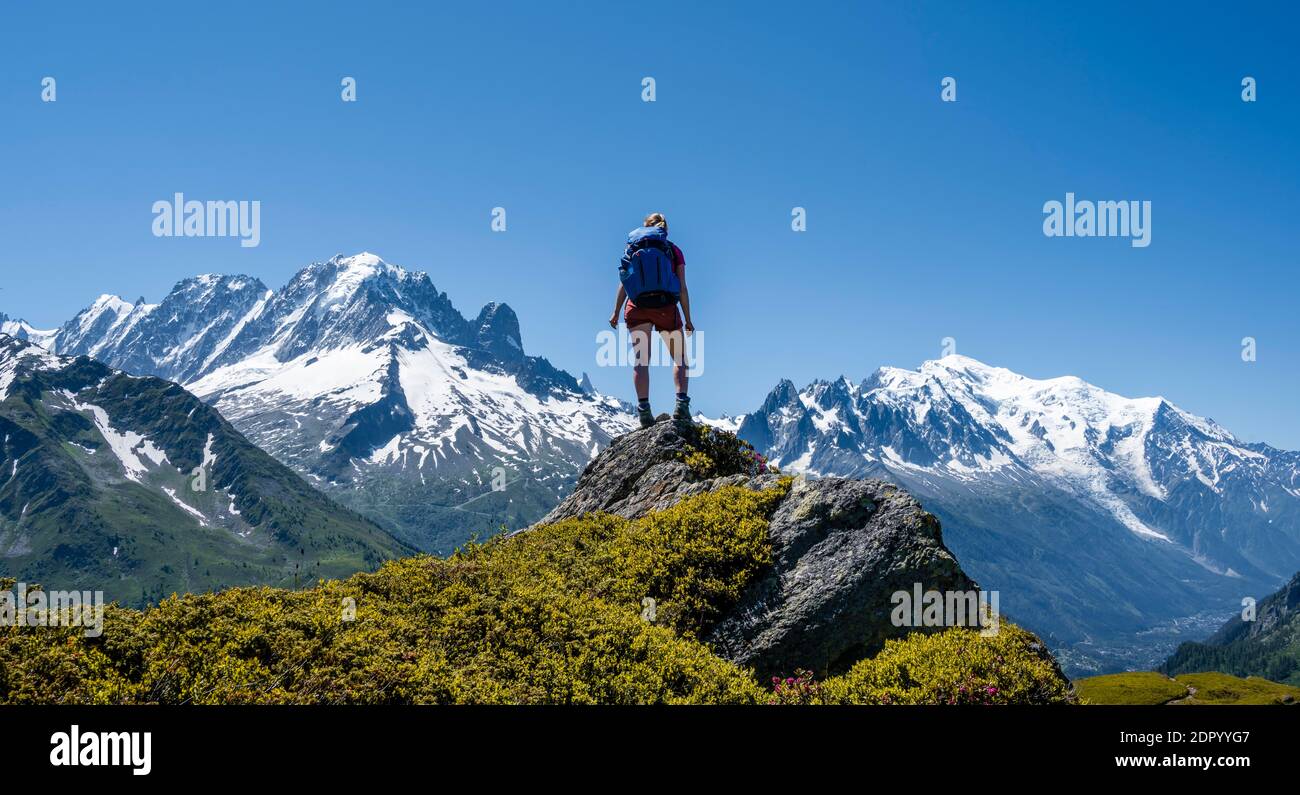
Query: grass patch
x=1148 y=687
x=1133 y=687
x=1217 y=688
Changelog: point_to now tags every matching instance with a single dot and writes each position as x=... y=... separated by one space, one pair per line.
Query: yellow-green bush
x=549 y=616
x=711 y=453
x=956 y=666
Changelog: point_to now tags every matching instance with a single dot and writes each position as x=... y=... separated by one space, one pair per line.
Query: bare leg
x=676 y=342
x=641 y=360
x=641 y=381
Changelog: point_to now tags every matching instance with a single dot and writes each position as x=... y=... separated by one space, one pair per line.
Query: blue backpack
x=647 y=269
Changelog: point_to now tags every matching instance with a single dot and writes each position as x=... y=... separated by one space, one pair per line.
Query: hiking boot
x=682 y=411
x=646 y=416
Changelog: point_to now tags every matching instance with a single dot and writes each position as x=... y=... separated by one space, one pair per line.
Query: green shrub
x=712 y=453
x=957 y=666
x=552 y=616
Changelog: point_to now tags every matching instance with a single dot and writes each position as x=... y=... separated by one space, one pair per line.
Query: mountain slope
x=1268 y=646
x=1116 y=526
x=133 y=486
x=365 y=379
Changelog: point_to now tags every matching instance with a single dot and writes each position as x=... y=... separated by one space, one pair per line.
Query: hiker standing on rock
x=652 y=281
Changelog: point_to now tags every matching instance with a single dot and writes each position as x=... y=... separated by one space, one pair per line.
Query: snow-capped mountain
x=1095 y=515
x=132 y=486
x=21 y=329
x=178 y=338
x=363 y=377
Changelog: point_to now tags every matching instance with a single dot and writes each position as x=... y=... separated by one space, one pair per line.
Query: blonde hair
x=656 y=219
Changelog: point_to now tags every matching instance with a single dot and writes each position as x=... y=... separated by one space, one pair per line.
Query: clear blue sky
x=924 y=217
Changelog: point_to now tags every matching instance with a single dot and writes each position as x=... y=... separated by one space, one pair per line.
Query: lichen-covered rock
x=841 y=548
x=644 y=471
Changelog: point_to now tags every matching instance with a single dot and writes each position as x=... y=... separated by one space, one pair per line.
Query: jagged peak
x=20 y=323
x=829 y=395
x=498 y=325
x=214 y=321
x=342 y=278
x=493 y=308
x=21 y=329
x=110 y=301
x=784 y=394
x=841 y=381
x=236 y=281
x=1166 y=412
x=366 y=265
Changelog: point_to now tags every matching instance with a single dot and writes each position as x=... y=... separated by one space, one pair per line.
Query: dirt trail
x=1191 y=694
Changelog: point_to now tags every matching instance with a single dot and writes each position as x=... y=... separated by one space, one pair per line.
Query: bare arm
x=686 y=304
x=618 y=306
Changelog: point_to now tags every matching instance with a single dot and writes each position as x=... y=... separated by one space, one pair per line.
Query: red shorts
x=663 y=318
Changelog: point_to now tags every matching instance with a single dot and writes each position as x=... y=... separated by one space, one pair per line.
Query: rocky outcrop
x=841 y=549
x=641 y=472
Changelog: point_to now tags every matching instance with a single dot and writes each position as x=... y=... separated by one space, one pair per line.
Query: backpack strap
x=672 y=255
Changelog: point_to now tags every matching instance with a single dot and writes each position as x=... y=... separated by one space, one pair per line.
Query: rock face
x=841 y=549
